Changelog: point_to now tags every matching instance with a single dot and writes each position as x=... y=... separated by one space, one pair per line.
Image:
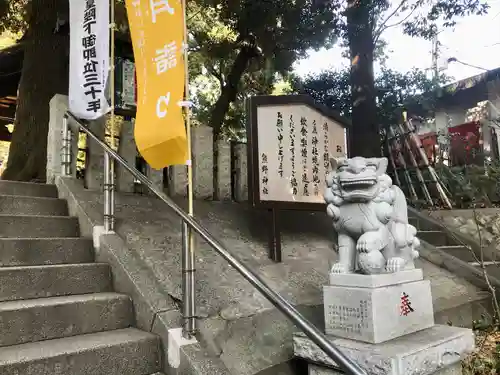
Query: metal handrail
x=257 y=282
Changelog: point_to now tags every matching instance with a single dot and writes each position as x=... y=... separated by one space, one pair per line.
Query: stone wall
x=465 y=222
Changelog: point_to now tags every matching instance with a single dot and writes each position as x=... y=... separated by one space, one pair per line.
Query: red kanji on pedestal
x=405 y=308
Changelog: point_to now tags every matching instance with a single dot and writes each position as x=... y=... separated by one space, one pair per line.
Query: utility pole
x=435 y=56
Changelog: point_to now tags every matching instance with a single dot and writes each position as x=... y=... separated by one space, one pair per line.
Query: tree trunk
x=44 y=74
x=365 y=135
x=228 y=95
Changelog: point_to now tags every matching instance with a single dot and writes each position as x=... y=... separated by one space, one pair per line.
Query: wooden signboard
x=291 y=140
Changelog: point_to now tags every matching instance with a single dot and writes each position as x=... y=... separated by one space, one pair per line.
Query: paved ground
x=237 y=323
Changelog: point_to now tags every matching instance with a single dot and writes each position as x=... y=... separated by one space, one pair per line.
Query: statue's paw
x=340 y=268
x=415 y=254
x=415 y=243
x=368 y=242
x=412 y=231
x=395 y=265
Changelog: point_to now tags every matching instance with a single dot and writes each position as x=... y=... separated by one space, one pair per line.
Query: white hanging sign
x=89 y=58
x=129 y=86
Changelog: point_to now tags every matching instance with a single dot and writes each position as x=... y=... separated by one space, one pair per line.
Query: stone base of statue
x=437 y=351
x=385 y=323
x=377 y=308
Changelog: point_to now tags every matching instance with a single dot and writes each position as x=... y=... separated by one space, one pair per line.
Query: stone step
x=460 y=252
x=121 y=352
x=45 y=251
x=21 y=205
x=30 y=282
x=435 y=238
x=56 y=317
x=24 y=226
x=27 y=189
x=461 y=310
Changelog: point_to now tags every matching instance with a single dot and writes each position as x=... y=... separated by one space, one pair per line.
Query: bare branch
x=382 y=29
x=496 y=305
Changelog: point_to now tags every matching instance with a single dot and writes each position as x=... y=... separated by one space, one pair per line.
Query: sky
x=475 y=40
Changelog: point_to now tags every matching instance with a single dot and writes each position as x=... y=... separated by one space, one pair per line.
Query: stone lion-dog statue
x=370 y=216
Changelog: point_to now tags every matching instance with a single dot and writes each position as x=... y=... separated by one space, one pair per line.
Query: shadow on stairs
x=58 y=311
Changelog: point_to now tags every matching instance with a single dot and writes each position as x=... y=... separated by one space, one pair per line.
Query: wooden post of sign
x=274 y=236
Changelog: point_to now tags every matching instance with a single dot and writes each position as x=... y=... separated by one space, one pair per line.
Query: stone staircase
x=431 y=233
x=58 y=311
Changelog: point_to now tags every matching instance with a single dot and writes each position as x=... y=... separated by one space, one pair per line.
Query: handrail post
x=109 y=193
x=66 y=148
x=188 y=284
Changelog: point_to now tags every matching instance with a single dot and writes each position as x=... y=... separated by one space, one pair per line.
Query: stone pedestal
x=377 y=308
x=385 y=323
x=437 y=351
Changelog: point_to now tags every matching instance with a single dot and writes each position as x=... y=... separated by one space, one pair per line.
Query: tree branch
x=216 y=74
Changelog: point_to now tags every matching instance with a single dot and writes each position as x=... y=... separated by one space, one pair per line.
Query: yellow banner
x=157 y=30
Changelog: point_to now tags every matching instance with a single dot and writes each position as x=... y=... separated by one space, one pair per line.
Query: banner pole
x=109 y=170
x=112 y=72
x=188 y=266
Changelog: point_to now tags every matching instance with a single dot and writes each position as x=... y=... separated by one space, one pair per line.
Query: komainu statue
x=371 y=219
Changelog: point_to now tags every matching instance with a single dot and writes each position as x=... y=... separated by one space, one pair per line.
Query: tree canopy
x=240 y=48
x=363 y=23
x=247 y=43
x=394 y=91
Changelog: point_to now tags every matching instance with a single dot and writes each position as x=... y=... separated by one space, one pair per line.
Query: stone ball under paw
x=372 y=262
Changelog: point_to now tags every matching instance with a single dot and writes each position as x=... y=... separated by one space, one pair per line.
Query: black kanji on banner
x=92 y=82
